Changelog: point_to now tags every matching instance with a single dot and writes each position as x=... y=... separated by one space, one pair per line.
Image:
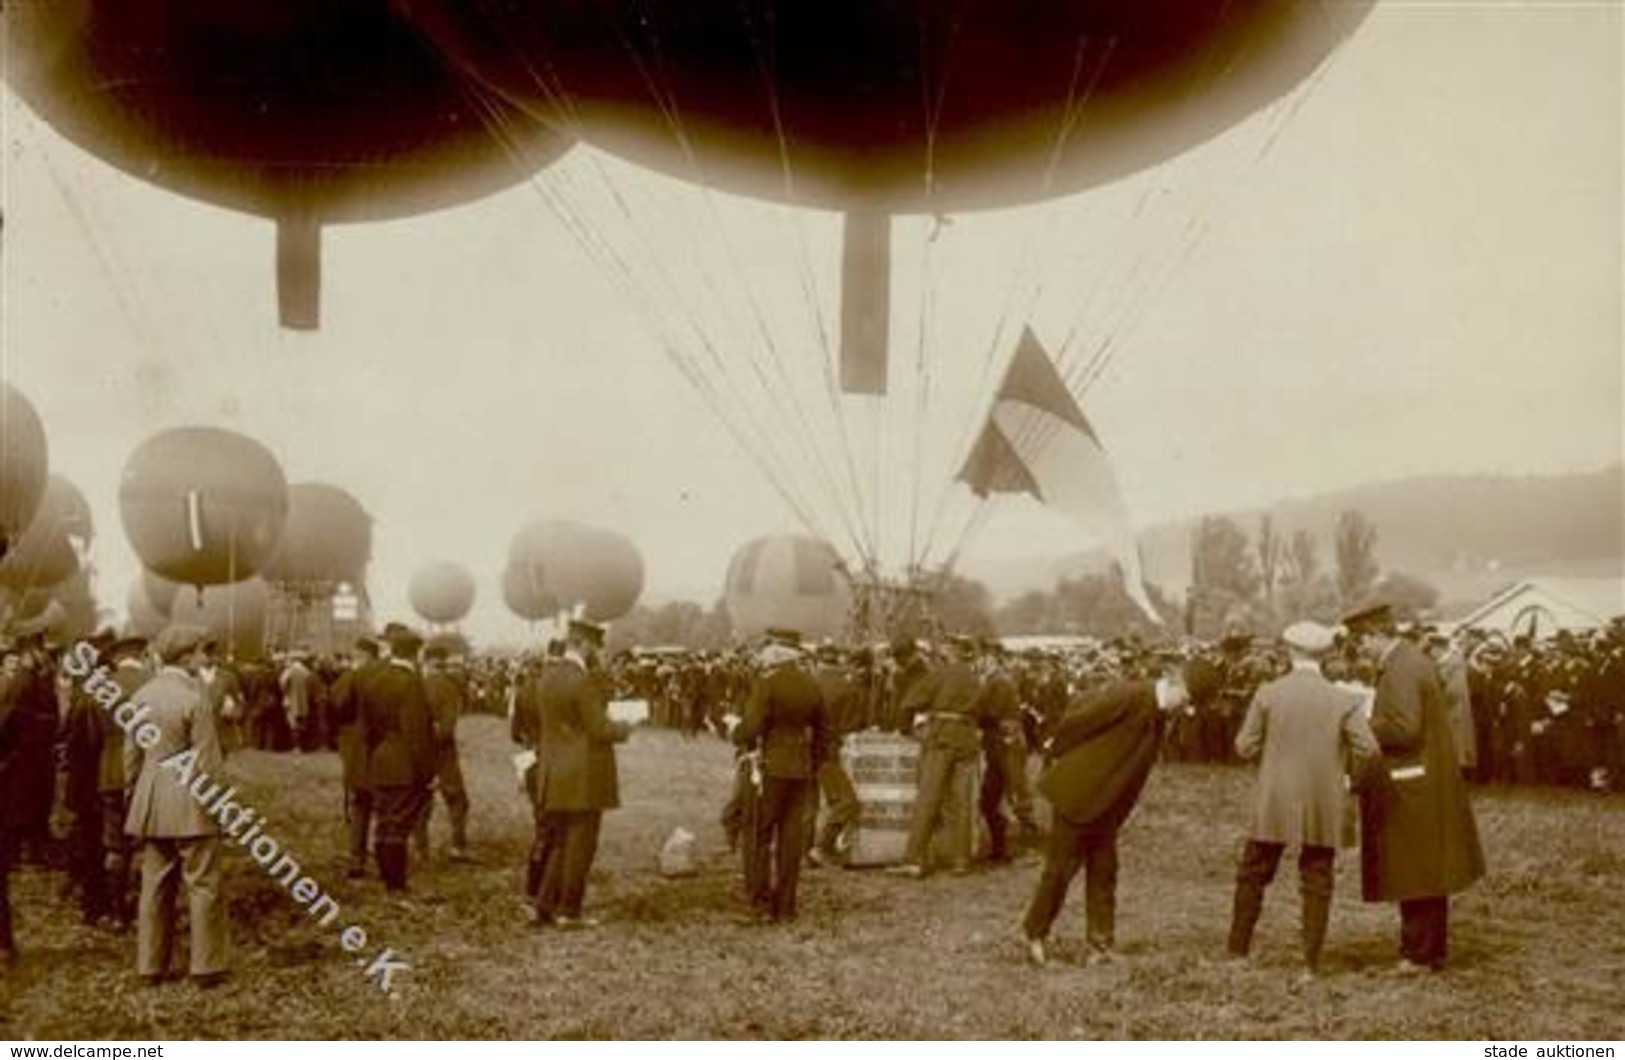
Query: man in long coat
x=179 y=839
x=346 y=717
x=1310 y=736
x=398 y=734
x=576 y=779
x=1099 y=755
x=1419 y=842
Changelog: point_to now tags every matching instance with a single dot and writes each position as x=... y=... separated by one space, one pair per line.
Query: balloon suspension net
x=883 y=608
x=301 y=615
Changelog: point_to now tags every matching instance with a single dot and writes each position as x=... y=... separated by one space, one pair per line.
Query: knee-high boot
x=1244 y=914
x=1317 y=915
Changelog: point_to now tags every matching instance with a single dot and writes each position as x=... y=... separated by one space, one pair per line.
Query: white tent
x=1545 y=605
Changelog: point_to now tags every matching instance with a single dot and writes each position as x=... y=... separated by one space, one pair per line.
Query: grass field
x=1538 y=947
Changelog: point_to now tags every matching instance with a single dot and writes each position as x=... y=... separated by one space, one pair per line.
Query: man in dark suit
x=1419 y=841
x=398 y=735
x=1099 y=755
x=12 y=721
x=576 y=780
x=445 y=693
x=786 y=729
x=346 y=715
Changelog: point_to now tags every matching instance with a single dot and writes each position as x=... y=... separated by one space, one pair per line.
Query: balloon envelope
x=159 y=592
x=235 y=614
x=142 y=618
x=327 y=538
x=48 y=551
x=331 y=108
x=790 y=581
x=526 y=597
x=902 y=107
x=23 y=463
x=441 y=592
x=599 y=571
x=203 y=506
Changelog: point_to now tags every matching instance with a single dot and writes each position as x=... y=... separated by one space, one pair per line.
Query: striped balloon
x=790 y=581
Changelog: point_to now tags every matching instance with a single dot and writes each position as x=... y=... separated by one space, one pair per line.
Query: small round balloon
x=203 y=506
x=441 y=592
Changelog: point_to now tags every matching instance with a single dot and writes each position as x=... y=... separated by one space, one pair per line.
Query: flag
x=1037 y=441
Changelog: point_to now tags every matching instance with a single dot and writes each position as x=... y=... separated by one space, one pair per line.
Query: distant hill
x=1467 y=534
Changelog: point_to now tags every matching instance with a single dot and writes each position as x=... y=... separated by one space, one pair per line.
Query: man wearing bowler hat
x=397 y=733
x=1309 y=735
x=1419 y=842
x=179 y=840
x=576 y=779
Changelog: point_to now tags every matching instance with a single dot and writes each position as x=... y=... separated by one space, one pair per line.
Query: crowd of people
x=75 y=748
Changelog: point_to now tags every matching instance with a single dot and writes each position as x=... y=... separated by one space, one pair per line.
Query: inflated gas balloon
x=48 y=551
x=159 y=592
x=142 y=617
x=599 y=571
x=22 y=464
x=527 y=597
x=203 y=506
x=900 y=107
x=441 y=592
x=791 y=582
x=327 y=539
x=79 y=611
x=235 y=614
x=304 y=111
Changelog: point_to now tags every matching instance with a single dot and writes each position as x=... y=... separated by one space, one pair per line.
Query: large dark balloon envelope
x=899 y=107
x=308 y=112
x=203 y=506
x=23 y=464
x=906 y=106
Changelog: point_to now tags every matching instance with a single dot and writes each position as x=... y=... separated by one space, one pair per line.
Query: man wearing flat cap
x=576 y=778
x=1419 y=843
x=179 y=841
x=1308 y=736
x=397 y=733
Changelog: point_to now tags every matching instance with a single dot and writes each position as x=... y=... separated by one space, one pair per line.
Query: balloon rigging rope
x=666 y=102
x=1073 y=108
x=732 y=409
x=824 y=350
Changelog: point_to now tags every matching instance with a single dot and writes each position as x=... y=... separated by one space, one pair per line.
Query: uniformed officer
x=785 y=731
x=945 y=707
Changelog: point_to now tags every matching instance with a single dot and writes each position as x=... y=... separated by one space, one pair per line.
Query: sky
x=1412 y=267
